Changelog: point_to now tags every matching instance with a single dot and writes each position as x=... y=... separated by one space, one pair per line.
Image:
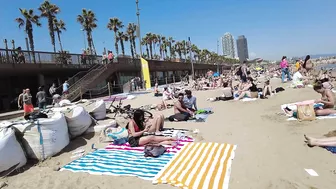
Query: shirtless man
x=180 y=108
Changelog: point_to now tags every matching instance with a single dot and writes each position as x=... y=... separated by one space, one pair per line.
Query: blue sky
x=273 y=27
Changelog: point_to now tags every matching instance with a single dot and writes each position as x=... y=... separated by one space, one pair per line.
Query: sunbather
x=227 y=93
x=267 y=91
x=327 y=99
x=190 y=101
x=138 y=126
x=249 y=89
x=322 y=142
x=181 y=112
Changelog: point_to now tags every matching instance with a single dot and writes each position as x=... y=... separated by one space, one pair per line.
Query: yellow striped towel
x=199 y=165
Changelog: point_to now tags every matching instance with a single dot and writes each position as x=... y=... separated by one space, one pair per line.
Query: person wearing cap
x=27 y=103
x=190 y=101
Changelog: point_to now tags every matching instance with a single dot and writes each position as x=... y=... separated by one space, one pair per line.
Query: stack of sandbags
x=96 y=108
x=44 y=137
x=78 y=120
x=12 y=155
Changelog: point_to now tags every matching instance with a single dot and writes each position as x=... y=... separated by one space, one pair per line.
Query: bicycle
x=121 y=110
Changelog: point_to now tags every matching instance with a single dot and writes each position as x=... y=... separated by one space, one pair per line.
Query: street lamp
x=191 y=60
x=139 y=36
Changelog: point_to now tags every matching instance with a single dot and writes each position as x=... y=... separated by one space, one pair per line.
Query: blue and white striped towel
x=119 y=163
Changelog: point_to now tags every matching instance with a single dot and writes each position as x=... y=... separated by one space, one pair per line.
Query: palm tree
x=163 y=48
x=131 y=29
x=58 y=27
x=171 y=42
x=178 y=49
x=122 y=37
x=88 y=21
x=144 y=41
x=49 y=12
x=150 y=38
x=184 y=50
x=29 y=18
x=114 y=25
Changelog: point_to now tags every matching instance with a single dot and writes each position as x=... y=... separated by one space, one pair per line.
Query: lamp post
x=191 y=60
x=139 y=36
x=217 y=56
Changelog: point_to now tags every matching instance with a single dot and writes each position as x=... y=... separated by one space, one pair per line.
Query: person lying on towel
x=181 y=112
x=139 y=125
x=190 y=101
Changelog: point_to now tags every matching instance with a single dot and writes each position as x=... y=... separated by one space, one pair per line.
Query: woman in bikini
x=139 y=125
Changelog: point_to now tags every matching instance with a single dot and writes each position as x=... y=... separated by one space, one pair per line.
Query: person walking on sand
x=27 y=103
x=284 y=69
x=20 y=99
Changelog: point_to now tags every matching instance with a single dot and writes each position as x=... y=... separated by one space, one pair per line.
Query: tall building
x=228 y=45
x=242 y=48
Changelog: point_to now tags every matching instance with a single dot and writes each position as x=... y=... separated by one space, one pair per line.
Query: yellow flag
x=145 y=73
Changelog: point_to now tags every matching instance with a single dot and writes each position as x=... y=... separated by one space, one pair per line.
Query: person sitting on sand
x=190 y=101
x=227 y=92
x=327 y=99
x=249 y=90
x=166 y=95
x=138 y=126
x=299 y=80
x=181 y=112
x=322 y=142
x=267 y=91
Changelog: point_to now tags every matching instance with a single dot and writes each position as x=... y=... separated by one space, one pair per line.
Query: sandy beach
x=271 y=152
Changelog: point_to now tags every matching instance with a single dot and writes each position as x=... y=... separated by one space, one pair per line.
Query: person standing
x=20 y=99
x=307 y=65
x=110 y=57
x=27 y=103
x=41 y=98
x=65 y=87
x=52 y=89
x=284 y=69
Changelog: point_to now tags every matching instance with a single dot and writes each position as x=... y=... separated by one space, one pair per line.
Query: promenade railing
x=10 y=56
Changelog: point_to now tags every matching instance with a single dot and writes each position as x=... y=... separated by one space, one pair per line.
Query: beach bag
x=306 y=112
x=117 y=135
x=154 y=151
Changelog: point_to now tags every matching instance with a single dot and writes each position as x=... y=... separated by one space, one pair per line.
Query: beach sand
x=271 y=152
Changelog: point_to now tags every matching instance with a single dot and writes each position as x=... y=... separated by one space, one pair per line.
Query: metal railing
x=13 y=56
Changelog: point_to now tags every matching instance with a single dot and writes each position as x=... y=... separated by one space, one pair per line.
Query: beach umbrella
x=216 y=74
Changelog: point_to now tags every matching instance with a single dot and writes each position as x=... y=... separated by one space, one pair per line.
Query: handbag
x=306 y=112
x=154 y=151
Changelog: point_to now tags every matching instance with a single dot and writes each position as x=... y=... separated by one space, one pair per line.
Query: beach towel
x=293 y=106
x=199 y=165
x=248 y=99
x=119 y=163
x=331 y=149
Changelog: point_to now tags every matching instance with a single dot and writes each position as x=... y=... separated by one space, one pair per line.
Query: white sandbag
x=78 y=120
x=44 y=137
x=11 y=152
x=100 y=128
x=64 y=102
x=130 y=97
x=99 y=111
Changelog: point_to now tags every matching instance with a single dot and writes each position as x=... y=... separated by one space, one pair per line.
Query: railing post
x=174 y=79
x=166 y=80
x=109 y=88
x=6 y=47
x=80 y=92
x=90 y=94
x=39 y=57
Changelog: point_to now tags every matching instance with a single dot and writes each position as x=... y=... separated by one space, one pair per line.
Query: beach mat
x=199 y=165
x=119 y=163
x=198 y=117
x=293 y=106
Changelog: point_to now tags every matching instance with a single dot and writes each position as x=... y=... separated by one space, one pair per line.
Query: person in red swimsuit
x=138 y=126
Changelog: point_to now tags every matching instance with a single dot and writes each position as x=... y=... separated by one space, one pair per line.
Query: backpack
x=154 y=151
x=239 y=71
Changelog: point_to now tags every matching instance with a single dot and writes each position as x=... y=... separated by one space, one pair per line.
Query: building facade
x=242 y=48
x=228 y=45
